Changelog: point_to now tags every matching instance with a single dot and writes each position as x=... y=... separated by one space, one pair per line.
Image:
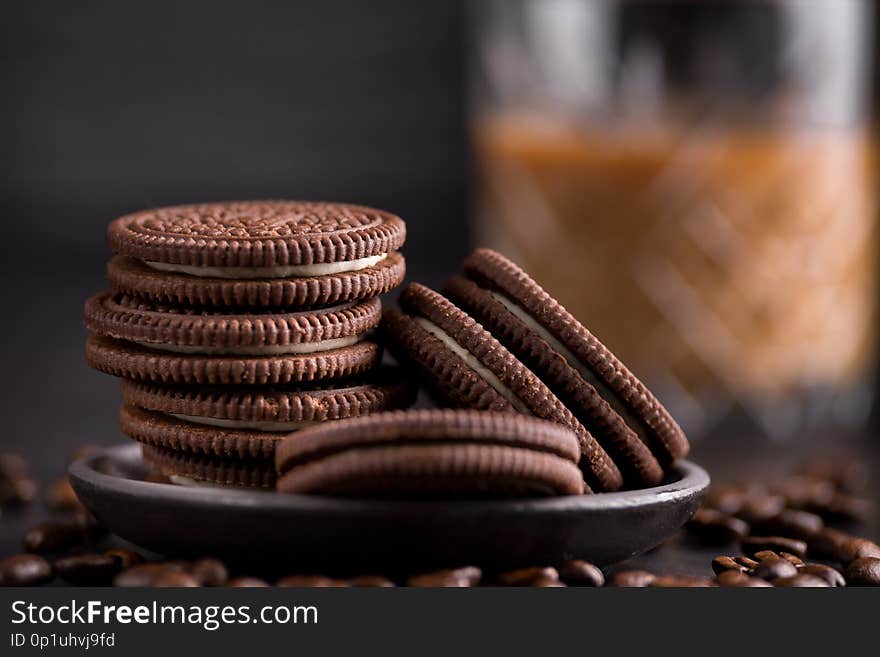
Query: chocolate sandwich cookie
x=264 y=411
x=632 y=456
x=255 y=241
x=176 y=344
x=131 y=276
x=432 y=453
x=548 y=322
x=466 y=367
x=198 y=469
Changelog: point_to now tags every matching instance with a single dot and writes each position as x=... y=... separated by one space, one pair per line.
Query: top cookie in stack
x=276 y=294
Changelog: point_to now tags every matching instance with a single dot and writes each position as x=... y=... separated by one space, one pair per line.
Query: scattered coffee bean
x=247 y=582
x=754 y=544
x=373 y=581
x=175 y=579
x=632 y=578
x=716 y=528
x=844 y=508
x=678 y=582
x=800 y=491
x=864 y=571
x=309 y=581
x=759 y=508
x=53 y=537
x=774 y=568
x=831 y=576
x=724 y=498
x=846 y=474
x=722 y=564
x=126 y=558
x=770 y=554
x=578 y=572
x=453 y=577
x=17 y=488
x=840 y=546
x=59 y=496
x=746 y=561
x=528 y=576
x=801 y=580
x=793 y=523
x=144 y=574
x=736 y=579
x=88 y=569
x=24 y=570
x=209 y=572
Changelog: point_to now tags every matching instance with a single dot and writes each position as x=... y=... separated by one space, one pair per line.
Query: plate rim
x=693 y=481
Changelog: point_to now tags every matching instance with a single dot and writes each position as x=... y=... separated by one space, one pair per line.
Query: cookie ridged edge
x=131 y=276
x=492 y=268
x=209 y=470
x=131 y=361
x=104 y=314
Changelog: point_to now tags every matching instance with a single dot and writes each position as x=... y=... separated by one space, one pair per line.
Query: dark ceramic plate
x=300 y=532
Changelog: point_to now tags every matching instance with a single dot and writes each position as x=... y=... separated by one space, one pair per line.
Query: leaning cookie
x=535 y=327
x=237 y=253
x=632 y=456
x=173 y=344
x=432 y=453
x=466 y=367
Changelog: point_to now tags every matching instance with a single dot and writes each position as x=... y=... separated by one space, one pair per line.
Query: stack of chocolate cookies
x=234 y=324
x=494 y=340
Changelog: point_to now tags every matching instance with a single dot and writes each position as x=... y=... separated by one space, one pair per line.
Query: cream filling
x=259 y=350
x=604 y=391
x=181 y=480
x=286 y=271
x=473 y=363
x=256 y=425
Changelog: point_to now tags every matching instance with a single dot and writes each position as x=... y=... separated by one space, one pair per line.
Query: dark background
x=110 y=107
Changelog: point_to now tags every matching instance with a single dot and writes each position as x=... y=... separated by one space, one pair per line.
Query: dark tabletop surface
x=726 y=459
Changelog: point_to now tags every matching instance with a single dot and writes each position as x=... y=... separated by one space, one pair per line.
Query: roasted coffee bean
x=546 y=583
x=840 y=546
x=793 y=523
x=373 y=581
x=18 y=492
x=801 y=580
x=13 y=466
x=452 y=577
x=746 y=561
x=724 y=498
x=754 y=544
x=59 y=496
x=831 y=576
x=632 y=578
x=126 y=558
x=864 y=571
x=844 y=508
x=759 y=508
x=736 y=579
x=209 y=572
x=24 y=570
x=716 y=528
x=578 y=572
x=247 y=583
x=175 y=579
x=53 y=537
x=722 y=564
x=88 y=569
x=680 y=581
x=143 y=574
x=847 y=474
x=774 y=568
x=800 y=491
x=770 y=554
x=310 y=581
x=526 y=576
